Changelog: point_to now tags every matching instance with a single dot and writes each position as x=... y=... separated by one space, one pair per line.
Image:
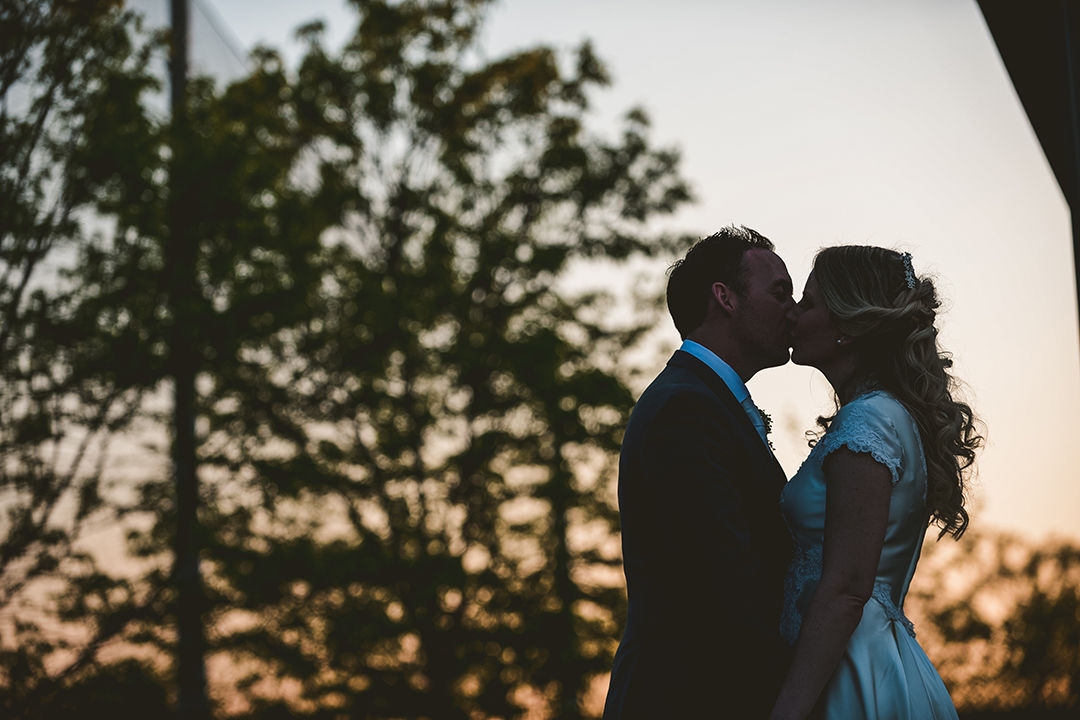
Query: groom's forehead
x=766 y=267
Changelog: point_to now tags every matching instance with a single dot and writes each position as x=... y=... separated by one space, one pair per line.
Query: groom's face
x=766 y=310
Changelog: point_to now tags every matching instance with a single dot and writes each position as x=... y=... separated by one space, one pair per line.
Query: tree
x=1001 y=623
x=67 y=390
x=406 y=430
x=409 y=475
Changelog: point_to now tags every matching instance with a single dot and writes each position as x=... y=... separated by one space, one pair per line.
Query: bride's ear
x=843 y=341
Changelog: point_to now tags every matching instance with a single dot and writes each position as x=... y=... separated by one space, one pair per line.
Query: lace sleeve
x=865 y=426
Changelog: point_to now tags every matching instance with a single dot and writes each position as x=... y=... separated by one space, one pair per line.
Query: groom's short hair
x=717 y=258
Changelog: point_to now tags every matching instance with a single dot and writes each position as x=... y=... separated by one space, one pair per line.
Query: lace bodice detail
x=860 y=435
x=874 y=423
x=805 y=569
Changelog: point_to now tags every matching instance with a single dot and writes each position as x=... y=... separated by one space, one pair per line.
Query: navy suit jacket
x=705 y=550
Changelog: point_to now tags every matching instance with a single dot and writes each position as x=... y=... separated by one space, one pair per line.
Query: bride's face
x=814 y=339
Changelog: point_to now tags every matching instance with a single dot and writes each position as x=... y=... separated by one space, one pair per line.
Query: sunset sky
x=825 y=122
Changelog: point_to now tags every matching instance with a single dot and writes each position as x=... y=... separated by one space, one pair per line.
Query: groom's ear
x=725 y=297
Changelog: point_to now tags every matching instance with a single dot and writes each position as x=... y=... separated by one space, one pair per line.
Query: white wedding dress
x=884 y=674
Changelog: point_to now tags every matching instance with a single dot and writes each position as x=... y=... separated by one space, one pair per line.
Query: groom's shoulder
x=677 y=381
x=679 y=375
x=679 y=397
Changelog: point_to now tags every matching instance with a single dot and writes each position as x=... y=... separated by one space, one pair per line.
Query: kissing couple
x=754 y=597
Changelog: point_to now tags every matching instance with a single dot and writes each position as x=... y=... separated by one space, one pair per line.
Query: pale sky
x=821 y=122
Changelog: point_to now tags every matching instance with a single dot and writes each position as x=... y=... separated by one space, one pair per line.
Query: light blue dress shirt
x=721 y=368
x=732 y=380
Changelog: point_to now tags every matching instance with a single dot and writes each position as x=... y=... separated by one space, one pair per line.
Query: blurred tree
x=85 y=178
x=406 y=430
x=410 y=480
x=1002 y=621
x=68 y=384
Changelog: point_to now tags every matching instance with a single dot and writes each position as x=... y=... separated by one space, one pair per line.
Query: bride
x=892 y=460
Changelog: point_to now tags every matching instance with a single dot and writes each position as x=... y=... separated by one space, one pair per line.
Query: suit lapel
x=723 y=392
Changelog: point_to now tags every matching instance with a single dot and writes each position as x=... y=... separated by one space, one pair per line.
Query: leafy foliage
x=1000 y=619
x=406 y=430
x=398 y=465
x=70 y=73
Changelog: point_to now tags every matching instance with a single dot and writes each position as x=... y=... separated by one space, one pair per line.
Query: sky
x=823 y=122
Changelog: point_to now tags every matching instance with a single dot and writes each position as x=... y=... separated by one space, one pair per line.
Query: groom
x=704 y=545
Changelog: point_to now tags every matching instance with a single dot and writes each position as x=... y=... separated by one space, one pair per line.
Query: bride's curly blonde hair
x=866 y=290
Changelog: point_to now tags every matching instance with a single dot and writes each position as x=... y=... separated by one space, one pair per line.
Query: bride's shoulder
x=875 y=402
x=869 y=424
x=877 y=411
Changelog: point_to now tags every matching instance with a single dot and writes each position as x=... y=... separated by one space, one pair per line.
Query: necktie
x=755 y=417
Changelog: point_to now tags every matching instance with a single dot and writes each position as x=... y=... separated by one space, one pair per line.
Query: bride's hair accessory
x=909 y=271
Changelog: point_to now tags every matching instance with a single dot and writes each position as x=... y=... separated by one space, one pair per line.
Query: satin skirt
x=885 y=675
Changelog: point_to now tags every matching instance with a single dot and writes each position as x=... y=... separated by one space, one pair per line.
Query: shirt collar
x=721 y=368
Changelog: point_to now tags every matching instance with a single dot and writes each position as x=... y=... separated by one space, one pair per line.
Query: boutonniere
x=766 y=420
